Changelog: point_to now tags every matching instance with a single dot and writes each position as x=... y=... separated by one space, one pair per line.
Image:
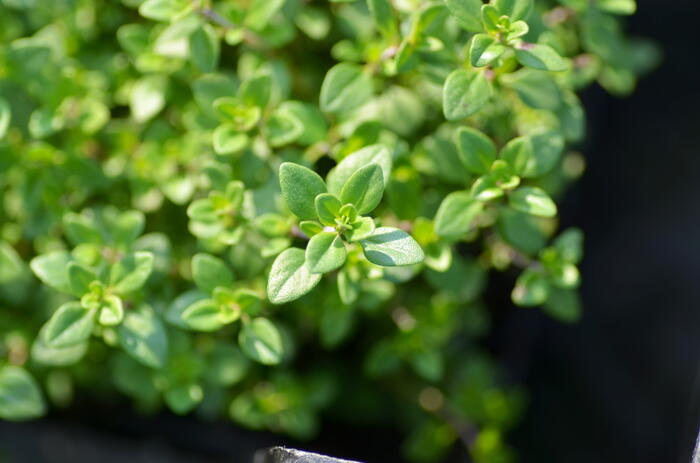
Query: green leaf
x=464 y=94
x=364 y=189
x=183 y=398
x=300 y=186
x=260 y=12
x=204 y=48
x=514 y=9
x=537 y=89
x=290 y=277
x=348 y=287
x=112 y=312
x=261 y=341
x=313 y=123
x=70 y=324
x=12 y=268
x=327 y=208
x=389 y=246
x=534 y=155
x=485 y=188
x=325 y=252
x=57 y=356
x=621 y=7
x=147 y=97
x=142 y=335
x=233 y=112
x=517 y=153
x=340 y=174
x=563 y=304
x=484 y=50
x=490 y=18
x=5 y=116
x=80 y=278
x=256 y=90
x=361 y=229
x=572 y=118
x=204 y=315
x=569 y=245
x=131 y=272
x=345 y=87
x=313 y=21
x=532 y=200
x=383 y=16
x=81 y=228
x=52 y=270
x=531 y=289
x=476 y=150
x=227 y=365
x=467 y=12
x=283 y=127
x=335 y=324
x=227 y=139
x=521 y=231
x=162 y=10
x=456 y=214
x=209 y=272
x=20 y=396
x=126 y=227
x=310 y=228
x=542 y=57
x=517 y=29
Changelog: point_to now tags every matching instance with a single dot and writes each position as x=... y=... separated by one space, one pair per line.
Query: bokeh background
x=622 y=385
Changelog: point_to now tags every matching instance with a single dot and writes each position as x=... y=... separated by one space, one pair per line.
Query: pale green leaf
x=532 y=200
x=261 y=341
x=389 y=246
x=290 y=277
x=325 y=252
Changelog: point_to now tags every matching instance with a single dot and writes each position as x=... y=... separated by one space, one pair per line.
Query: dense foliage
x=278 y=210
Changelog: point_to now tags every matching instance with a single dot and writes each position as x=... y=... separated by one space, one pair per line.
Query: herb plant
x=275 y=211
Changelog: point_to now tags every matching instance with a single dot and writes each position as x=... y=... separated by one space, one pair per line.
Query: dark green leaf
x=203 y=315
x=143 y=337
x=71 y=324
x=340 y=174
x=467 y=12
x=20 y=396
x=456 y=214
x=131 y=272
x=476 y=150
x=464 y=94
x=209 y=272
x=204 y=48
x=364 y=189
x=484 y=50
x=300 y=186
x=542 y=57
x=514 y=9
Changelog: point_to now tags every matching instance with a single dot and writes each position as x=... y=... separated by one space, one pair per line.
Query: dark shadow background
x=619 y=386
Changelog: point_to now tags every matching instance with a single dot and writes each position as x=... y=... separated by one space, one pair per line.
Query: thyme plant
x=275 y=211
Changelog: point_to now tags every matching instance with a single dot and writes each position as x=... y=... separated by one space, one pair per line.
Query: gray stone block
x=285 y=455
